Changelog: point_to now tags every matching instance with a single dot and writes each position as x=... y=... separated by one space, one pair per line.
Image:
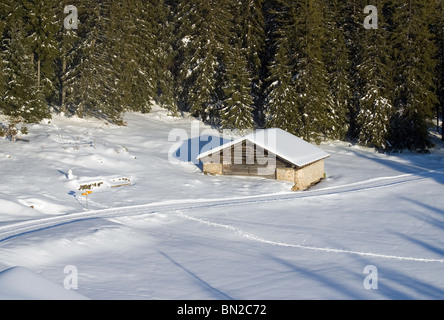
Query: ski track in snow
x=253 y=237
x=12 y=231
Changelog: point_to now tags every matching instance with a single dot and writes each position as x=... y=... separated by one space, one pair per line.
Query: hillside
x=155 y=227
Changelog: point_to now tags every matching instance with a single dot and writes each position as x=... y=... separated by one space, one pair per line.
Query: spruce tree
x=271 y=27
x=414 y=54
x=120 y=63
x=300 y=40
x=375 y=71
x=2 y=77
x=21 y=98
x=249 y=31
x=316 y=101
x=352 y=12
x=165 y=55
x=121 y=33
x=338 y=65
x=238 y=101
x=281 y=96
x=439 y=40
x=144 y=57
x=68 y=40
x=96 y=81
x=40 y=18
x=4 y=9
x=204 y=32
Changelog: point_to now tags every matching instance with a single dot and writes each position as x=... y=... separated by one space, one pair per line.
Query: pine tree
x=125 y=33
x=375 y=71
x=68 y=40
x=352 y=24
x=338 y=65
x=316 y=102
x=414 y=54
x=165 y=55
x=271 y=27
x=96 y=81
x=2 y=78
x=4 y=10
x=439 y=40
x=144 y=57
x=238 y=103
x=204 y=34
x=42 y=28
x=300 y=40
x=249 y=30
x=121 y=60
x=21 y=99
x=281 y=108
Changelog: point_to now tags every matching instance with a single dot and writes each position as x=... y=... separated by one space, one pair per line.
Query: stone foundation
x=212 y=168
x=285 y=174
x=303 y=178
x=308 y=176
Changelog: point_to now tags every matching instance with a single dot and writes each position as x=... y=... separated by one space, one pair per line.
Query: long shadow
x=406 y=285
x=191 y=148
x=393 y=283
x=327 y=280
x=384 y=275
x=428 y=218
x=396 y=285
x=74 y=194
x=432 y=248
x=215 y=292
x=413 y=168
x=64 y=173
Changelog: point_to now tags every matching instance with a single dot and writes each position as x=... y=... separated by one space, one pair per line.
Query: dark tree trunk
x=442 y=120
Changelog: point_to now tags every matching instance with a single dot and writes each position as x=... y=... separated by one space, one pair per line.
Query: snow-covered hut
x=271 y=153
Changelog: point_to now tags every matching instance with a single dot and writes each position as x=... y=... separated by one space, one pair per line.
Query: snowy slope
x=22 y=284
x=174 y=233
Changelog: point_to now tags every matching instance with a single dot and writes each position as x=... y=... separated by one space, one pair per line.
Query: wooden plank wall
x=245 y=159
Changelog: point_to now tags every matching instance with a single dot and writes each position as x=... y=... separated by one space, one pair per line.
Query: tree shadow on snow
x=346 y=277
x=216 y=293
x=434 y=171
x=435 y=217
x=399 y=282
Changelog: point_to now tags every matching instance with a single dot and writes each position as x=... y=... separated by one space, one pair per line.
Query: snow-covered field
x=155 y=227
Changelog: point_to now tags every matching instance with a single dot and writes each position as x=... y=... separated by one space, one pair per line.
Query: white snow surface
x=22 y=284
x=155 y=227
x=281 y=143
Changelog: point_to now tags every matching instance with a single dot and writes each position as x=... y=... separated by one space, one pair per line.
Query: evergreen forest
x=319 y=69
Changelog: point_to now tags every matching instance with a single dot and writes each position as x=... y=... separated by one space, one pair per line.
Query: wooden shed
x=270 y=153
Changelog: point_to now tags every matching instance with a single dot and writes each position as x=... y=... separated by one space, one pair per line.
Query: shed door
x=245 y=163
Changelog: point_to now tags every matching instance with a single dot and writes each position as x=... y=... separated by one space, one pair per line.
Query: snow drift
x=20 y=283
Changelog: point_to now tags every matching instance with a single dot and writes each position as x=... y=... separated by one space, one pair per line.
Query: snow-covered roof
x=283 y=144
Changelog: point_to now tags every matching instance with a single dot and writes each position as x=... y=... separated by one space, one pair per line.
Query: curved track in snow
x=12 y=231
x=256 y=238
